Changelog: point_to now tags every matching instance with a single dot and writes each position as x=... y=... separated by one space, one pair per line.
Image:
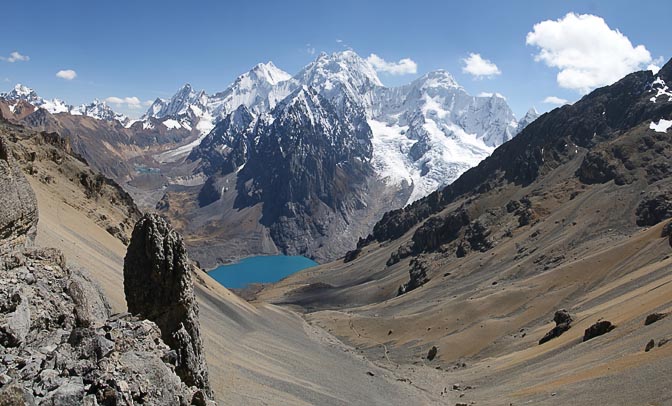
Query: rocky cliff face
x=18 y=207
x=158 y=286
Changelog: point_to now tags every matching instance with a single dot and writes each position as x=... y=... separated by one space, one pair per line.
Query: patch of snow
x=662 y=126
x=172 y=124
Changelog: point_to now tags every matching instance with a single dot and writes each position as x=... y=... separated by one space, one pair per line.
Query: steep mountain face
x=565 y=228
x=225 y=148
x=307 y=165
x=431 y=131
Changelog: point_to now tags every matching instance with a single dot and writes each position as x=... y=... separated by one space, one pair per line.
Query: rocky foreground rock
x=158 y=286
x=18 y=207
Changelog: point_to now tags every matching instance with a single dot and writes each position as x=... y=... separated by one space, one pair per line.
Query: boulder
x=598 y=329
x=649 y=345
x=158 y=287
x=563 y=321
x=654 y=317
x=432 y=353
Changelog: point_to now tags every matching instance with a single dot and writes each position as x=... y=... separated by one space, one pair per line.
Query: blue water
x=264 y=269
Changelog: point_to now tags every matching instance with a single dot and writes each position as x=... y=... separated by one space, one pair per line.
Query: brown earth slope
x=554 y=219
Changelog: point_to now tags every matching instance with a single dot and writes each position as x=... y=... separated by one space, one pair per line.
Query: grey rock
x=16 y=394
x=70 y=393
x=14 y=332
x=91 y=308
x=18 y=217
x=158 y=286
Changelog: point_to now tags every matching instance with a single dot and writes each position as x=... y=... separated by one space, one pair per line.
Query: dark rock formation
x=418 y=276
x=18 y=206
x=432 y=353
x=158 y=287
x=352 y=255
x=654 y=208
x=649 y=345
x=654 y=317
x=439 y=230
x=563 y=322
x=598 y=329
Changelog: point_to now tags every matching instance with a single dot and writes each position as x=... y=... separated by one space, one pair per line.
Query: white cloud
x=404 y=66
x=310 y=49
x=586 y=50
x=478 y=67
x=555 y=100
x=654 y=66
x=129 y=102
x=339 y=41
x=490 y=94
x=148 y=103
x=15 y=57
x=67 y=74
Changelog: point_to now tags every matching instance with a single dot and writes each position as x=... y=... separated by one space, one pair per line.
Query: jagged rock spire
x=158 y=286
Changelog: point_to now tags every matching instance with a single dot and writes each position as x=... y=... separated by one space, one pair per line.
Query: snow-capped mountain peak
x=99 y=110
x=269 y=72
x=531 y=115
x=21 y=92
x=345 y=71
x=439 y=78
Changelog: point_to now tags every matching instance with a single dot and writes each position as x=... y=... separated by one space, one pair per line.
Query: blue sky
x=147 y=49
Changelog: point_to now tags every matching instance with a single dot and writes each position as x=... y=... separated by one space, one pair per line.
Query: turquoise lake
x=263 y=269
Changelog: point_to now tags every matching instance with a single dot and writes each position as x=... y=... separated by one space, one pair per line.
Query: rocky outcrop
x=654 y=208
x=598 y=329
x=563 y=322
x=60 y=345
x=418 y=276
x=439 y=230
x=18 y=206
x=158 y=287
x=654 y=317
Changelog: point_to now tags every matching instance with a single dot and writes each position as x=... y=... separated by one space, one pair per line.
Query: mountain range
x=268 y=126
